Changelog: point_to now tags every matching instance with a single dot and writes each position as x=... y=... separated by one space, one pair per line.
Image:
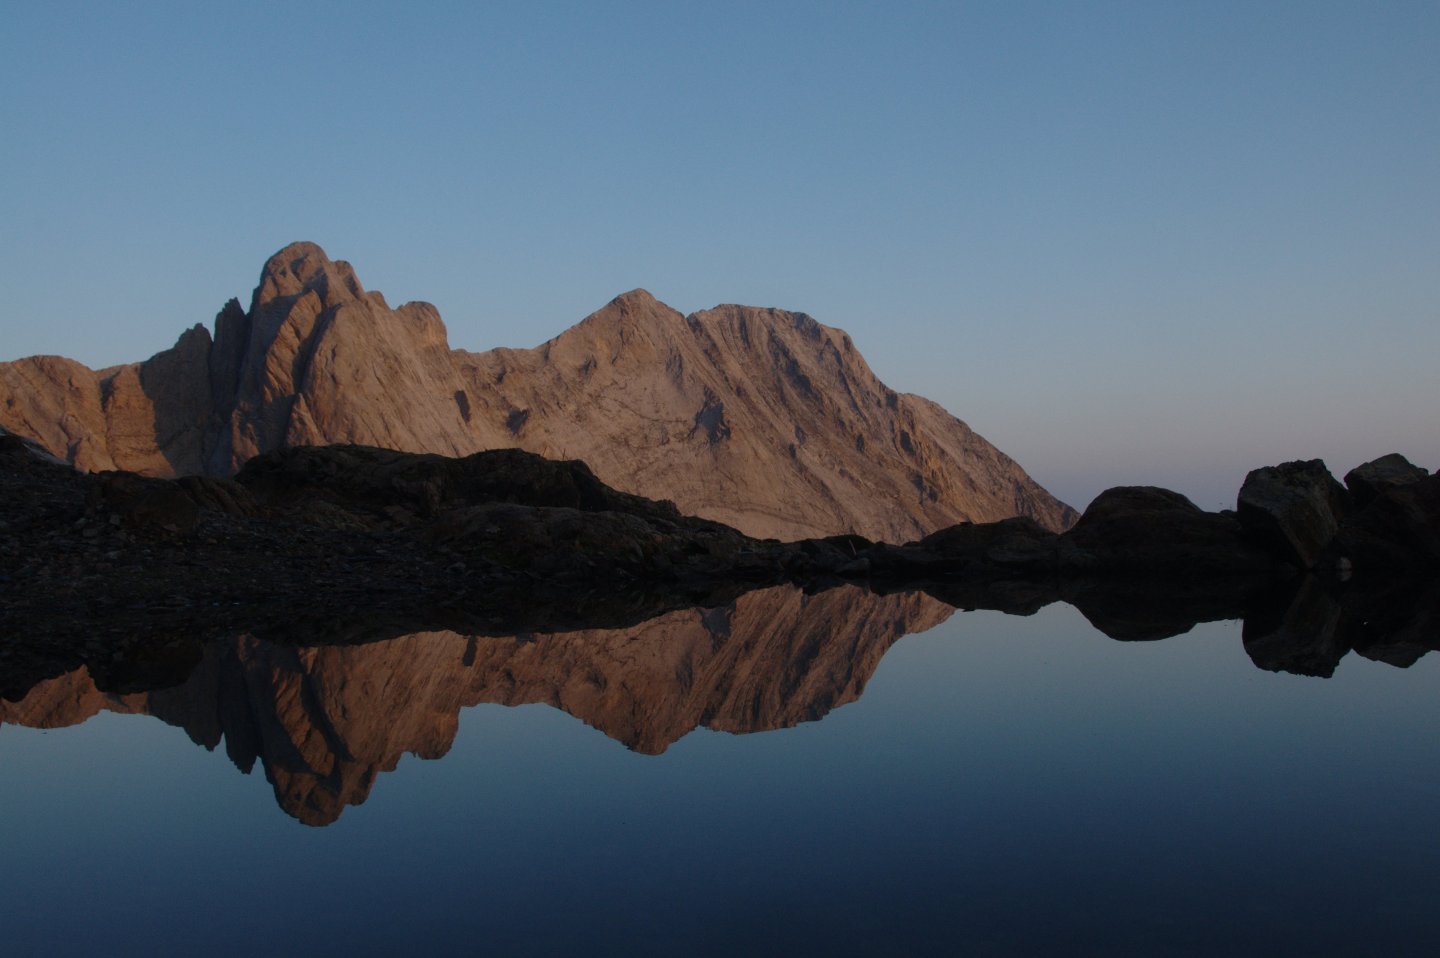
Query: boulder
x=1366 y=482
x=1398 y=530
x=1293 y=509
x=1152 y=531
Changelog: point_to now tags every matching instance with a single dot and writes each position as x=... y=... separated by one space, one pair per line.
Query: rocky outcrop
x=1295 y=508
x=152 y=417
x=1151 y=531
x=1292 y=518
x=1398 y=529
x=760 y=418
x=317 y=359
x=1369 y=481
x=350 y=544
x=1128 y=531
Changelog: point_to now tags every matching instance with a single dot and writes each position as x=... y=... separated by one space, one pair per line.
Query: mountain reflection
x=323 y=721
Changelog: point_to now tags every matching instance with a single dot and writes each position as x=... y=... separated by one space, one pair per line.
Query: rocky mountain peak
x=758 y=417
x=636 y=310
x=301 y=268
x=636 y=300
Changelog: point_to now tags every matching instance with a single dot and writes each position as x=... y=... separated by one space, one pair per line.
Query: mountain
x=325 y=721
x=760 y=418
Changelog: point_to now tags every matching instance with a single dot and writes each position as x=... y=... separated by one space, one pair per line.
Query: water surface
x=790 y=775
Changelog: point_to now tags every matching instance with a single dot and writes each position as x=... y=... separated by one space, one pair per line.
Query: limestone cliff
x=760 y=418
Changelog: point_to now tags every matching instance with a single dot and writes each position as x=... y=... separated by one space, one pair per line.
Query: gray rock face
x=759 y=418
x=1295 y=507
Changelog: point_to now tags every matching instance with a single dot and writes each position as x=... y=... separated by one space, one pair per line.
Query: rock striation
x=760 y=418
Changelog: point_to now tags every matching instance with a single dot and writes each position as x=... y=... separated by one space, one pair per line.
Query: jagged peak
x=303 y=267
x=197 y=331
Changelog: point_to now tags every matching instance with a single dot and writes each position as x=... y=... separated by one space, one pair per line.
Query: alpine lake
x=841 y=773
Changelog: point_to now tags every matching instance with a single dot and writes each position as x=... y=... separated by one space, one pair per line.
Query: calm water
x=1002 y=786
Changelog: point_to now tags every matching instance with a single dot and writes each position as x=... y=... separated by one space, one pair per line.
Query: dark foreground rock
x=1294 y=509
x=1372 y=480
x=1291 y=519
x=1397 y=530
x=348 y=544
x=1150 y=531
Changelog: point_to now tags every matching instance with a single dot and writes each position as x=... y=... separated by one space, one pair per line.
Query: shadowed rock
x=1398 y=529
x=1154 y=532
x=1367 y=482
x=1018 y=545
x=1294 y=508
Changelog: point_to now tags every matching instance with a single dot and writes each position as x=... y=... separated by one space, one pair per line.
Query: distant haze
x=1128 y=243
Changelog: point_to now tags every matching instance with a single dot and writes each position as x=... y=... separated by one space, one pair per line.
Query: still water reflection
x=1003 y=785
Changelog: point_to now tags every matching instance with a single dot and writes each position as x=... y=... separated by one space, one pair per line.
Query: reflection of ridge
x=324 y=721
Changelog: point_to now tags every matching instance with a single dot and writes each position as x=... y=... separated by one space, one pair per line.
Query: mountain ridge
x=758 y=417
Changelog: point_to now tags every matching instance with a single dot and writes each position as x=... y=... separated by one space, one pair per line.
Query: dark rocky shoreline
x=343 y=544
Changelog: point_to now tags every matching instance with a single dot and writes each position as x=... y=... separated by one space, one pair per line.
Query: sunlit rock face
x=325 y=721
x=760 y=418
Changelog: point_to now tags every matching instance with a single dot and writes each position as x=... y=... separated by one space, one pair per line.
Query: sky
x=1130 y=243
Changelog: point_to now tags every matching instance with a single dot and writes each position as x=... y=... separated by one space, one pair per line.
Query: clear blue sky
x=1128 y=242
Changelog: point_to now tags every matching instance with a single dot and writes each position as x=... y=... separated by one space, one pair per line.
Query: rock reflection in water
x=324 y=721
x=1310 y=630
